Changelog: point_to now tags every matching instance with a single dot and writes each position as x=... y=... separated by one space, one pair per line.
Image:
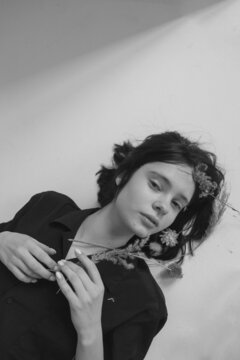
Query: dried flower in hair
x=169 y=237
x=205 y=183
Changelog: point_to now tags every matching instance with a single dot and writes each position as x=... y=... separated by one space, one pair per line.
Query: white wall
x=78 y=76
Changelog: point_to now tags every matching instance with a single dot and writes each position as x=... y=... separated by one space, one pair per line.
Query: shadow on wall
x=39 y=35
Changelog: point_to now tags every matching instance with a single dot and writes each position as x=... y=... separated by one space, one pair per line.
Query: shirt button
x=9 y=300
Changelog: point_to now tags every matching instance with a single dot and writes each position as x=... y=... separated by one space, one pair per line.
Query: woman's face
x=153 y=197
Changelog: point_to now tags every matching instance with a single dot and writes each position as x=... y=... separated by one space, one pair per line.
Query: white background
x=78 y=76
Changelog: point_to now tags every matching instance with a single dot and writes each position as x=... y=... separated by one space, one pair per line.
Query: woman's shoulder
x=51 y=198
x=44 y=204
x=51 y=195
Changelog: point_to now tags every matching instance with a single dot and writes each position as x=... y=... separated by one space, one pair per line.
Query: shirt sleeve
x=131 y=340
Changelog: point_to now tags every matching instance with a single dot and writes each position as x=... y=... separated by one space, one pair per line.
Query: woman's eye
x=155 y=185
x=177 y=205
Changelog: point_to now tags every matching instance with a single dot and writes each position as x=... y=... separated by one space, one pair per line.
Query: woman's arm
x=85 y=296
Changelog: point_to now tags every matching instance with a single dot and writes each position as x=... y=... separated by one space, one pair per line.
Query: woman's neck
x=105 y=228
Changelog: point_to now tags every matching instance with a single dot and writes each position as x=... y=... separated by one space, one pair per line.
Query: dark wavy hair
x=173 y=148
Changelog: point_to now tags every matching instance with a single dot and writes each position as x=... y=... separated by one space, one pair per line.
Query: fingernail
x=53 y=250
x=55 y=268
x=77 y=251
x=34 y=281
x=61 y=262
x=58 y=275
x=52 y=278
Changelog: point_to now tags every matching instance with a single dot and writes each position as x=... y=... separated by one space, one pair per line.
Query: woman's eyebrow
x=169 y=184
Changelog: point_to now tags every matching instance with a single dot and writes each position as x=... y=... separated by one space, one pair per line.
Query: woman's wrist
x=90 y=344
x=88 y=336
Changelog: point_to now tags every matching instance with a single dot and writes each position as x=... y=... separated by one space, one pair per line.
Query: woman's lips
x=149 y=220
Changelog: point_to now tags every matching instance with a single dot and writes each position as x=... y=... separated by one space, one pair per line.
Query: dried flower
x=117 y=256
x=120 y=256
x=207 y=187
x=169 y=237
x=205 y=183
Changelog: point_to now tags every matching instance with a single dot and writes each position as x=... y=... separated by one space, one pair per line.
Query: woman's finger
x=66 y=288
x=22 y=267
x=22 y=276
x=74 y=279
x=36 y=266
x=46 y=248
x=42 y=256
x=38 y=269
x=90 y=267
x=81 y=273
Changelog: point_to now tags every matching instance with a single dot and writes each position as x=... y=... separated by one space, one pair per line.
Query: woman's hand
x=85 y=295
x=25 y=257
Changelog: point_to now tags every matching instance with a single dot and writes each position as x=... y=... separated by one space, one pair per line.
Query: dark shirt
x=35 y=322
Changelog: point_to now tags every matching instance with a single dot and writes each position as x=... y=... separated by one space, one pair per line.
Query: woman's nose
x=160 y=207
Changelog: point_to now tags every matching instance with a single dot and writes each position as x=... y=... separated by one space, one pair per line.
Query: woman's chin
x=142 y=232
x=139 y=229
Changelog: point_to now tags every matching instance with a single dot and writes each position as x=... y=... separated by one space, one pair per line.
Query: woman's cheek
x=171 y=219
x=166 y=222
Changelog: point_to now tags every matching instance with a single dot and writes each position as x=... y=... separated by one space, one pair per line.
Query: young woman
x=54 y=308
